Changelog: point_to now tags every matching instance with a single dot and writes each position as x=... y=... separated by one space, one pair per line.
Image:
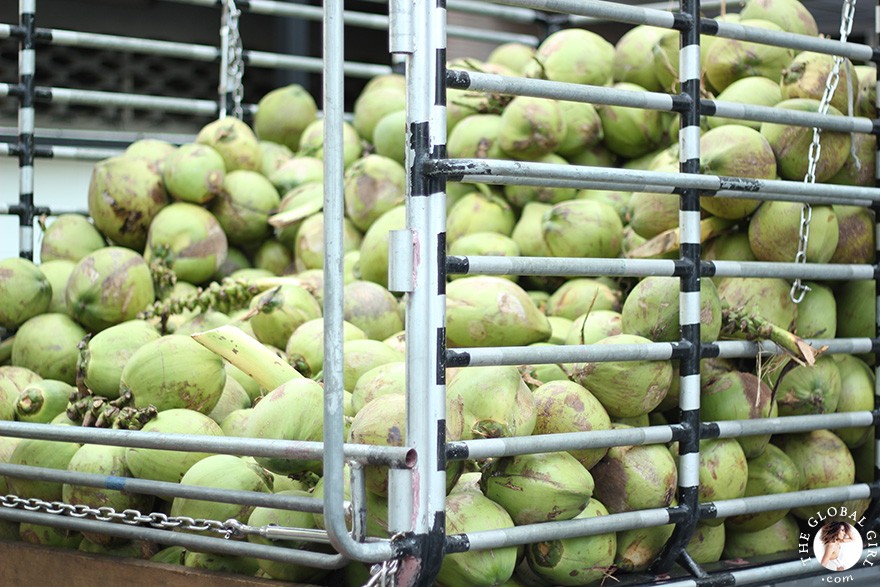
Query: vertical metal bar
x=334 y=461
x=689 y=297
x=224 y=95
x=426 y=304
x=26 y=69
x=874 y=510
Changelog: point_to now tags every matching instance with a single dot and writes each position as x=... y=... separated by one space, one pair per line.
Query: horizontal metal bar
x=191 y=541
x=494 y=37
x=392 y=456
x=804 y=498
x=789 y=424
x=545 y=355
x=97 y=98
x=824 y=271
x=745 y=349
x=97 y=138
x=77 y=153
x=733 y=30
x=520 y=86
x=705 y=5
x=164 y=489
x=531 y=533
x=754 y=113
x=484 y=448
x=769 y=195
x=495 y=265
x=312 y=64
x=482 y=8
x=609 y=11
x=68 y=38
x=482 y=171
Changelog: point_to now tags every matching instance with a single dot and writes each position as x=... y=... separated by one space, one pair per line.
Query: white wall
x=58 y=184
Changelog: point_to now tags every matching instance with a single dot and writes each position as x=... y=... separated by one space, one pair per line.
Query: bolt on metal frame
x=689 y=185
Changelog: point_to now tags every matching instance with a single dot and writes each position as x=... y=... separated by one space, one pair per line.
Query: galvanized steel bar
x=554 y=354
x=191 y=541
x=546 y=531
x=26 y=71
x=508 y=13
x=485 y=448
x=77 y=153
x=689 y=295
x=521 y=86
x=823 y=271
x=483 y=170
x=334 y=456
x=258 y=447
x=605 y=10
x=769 y=502
x=496 y=265
x=125 y=100
x=585 y=20
x=426 y=302
x=754 y=113
x=743 y=349
x=786 y=425
x=493 y=37
x=163 y=489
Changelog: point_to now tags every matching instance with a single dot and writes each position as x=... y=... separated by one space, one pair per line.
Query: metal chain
x=798 y=289
x=383 y=574
x=232 y=63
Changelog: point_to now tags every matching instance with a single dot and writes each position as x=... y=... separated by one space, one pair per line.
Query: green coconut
x=361 y=355
x=386 y=379
x=102 y=360
x=631 y=132
x=629 y=63
x=528 y=233
x=538 y=487
x=70 y=237
x=234 y=397
x=519 y=195
x=12 y=381
x=373 y=263
x=281 y=311
x=639 y=547
x=781 y=537
x=771 y=472
x=98 y=459
x=305 y=347
x=860 y=167
x=42 y=401
x=491 y=311
x=728 y=60
x=581 y=295
x=190 y=239
x=652 y=214
x=296 y=205
x=807 y=76
x=774 y=230
x=582 y=228
x=273 y=256
x=52 y=357
x=620 y=201
x=573 y=55
x=311 y=143
x=738 y=151
x=273 y=155
x=791 y=15
x=236 y=423
x=244 y=205
x=125 y=194
x=472 y=512
x=809 y=389
x=817 y=313
x=389 y=136
x=194 y=173
x=651 y=310
x=235 y=141
x=628 y=388
x=263 y=516
x=373 y=185
x=595 y=156
x=592 y=327
x=736 y=395
x=40 y=453
x=574 y=561
x=476 y=212
x=57 y=273
x=297 y=171
x=867 y=96
x=373 y=105
x=25 y=292
x=289 y=412
x=767 y=297
x=706 y=543
x=583 y=127
x=855 y=235
x=475 y=136
x=49 y=536
x=308 y=248
x=531 y=127
x=108 y=287
x=856 y=309
x=153 y=150
x=753 y=91
x=283 y=114
x=496 y=401
x=515 y=56
x=732 y=246
x=791 y=144
x=490 y=244
x=856 y=394
x=174 y=371
x=822 y=460
x=631 y=478
x=373 y=309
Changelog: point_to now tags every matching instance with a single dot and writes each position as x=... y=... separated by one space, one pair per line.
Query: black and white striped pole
x=26 y=70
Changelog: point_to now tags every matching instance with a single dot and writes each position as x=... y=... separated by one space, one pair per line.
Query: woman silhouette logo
x=837 y=546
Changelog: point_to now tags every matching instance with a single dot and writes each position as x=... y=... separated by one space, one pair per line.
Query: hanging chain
x=383 y=574
x=232 y=63
x=229 y=529
x=798 y=289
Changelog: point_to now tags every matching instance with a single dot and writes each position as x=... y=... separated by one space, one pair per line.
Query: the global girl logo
x=837 y=542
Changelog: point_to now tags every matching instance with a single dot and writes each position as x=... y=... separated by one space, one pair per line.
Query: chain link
x=847 y=17
x=232 y=62
x=383 y=574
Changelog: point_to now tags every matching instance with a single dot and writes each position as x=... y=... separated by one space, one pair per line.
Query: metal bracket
x=401 y=276
x=401 y=28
